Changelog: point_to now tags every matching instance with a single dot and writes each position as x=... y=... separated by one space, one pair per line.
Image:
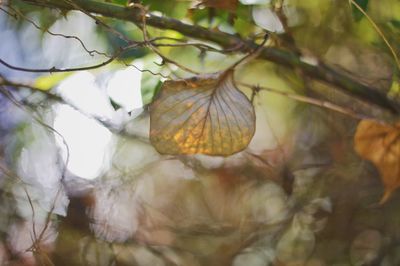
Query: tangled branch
x=318 y=71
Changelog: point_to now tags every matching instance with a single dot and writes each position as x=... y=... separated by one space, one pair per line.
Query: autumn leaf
x=380 y=144
x=205 y=114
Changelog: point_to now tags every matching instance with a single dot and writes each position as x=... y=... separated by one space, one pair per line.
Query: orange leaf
x=380 y=144
x=205 y=114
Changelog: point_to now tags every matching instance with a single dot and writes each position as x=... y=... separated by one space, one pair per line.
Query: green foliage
x=174 y=8
x=395 y=23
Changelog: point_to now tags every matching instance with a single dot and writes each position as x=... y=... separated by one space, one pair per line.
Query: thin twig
x=9 y=96
x=33 y=214
x=252 y=55
x=15 y=16
x=146 y=70
x=320 y=71
x=57 y=70
x=152 y=47
x=49 y=214
x=313 y=101
x=110 y=29
x=12 y=99
x=35 y=240
x=122 y=132
x=378 y=30
x=90 y=52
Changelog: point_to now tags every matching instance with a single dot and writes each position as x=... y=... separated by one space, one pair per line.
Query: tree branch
x=58 y=99
x=57 y=70
x=18 y=14
x=319 y=71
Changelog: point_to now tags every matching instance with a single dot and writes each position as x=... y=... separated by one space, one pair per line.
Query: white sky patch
x=81 y=90
x=124 y=88
x=89 y=142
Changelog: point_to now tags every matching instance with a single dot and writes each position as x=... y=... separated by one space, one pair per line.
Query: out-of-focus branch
x=9 y=83
x=304 y=99
x=58 y=99
x=57 y=70
x=318 y=71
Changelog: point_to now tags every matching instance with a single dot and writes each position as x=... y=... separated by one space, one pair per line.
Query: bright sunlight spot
x=82 y=92
x=88 y=141
x=124 y=88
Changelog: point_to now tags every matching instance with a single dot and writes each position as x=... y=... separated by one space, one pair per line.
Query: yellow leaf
x=205 y=114
x=47 y=82
x=380 y=144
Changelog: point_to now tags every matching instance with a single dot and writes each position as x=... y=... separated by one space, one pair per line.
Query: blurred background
x=80 y=183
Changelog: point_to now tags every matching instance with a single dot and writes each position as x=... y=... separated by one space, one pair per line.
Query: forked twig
x=152 y=47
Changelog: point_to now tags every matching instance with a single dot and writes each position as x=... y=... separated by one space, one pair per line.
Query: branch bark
x=320 y=71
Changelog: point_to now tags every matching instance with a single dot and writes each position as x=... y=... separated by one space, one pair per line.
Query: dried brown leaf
x=206 y=114
x=380 y=144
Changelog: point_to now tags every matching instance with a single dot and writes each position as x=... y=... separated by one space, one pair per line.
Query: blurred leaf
x=173 y=8
x=214 y=6
x=150 y=88
x=48 y=18
x=204 y=114
x=210 y=17
x=366 y=247
x=357 y=14
x=242 y=26
x=394 y=91
x=197 y=15
x=150 y=84
x=47 y=82
x=296 y=244
x=120 y=2
x=229 y=5
x=267 y=19
x=395 y=23
x=114 y=42
x=380 y=144
x=114 y=104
